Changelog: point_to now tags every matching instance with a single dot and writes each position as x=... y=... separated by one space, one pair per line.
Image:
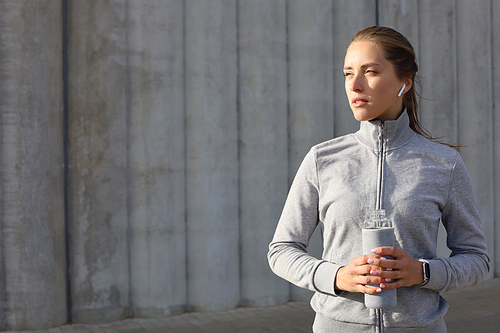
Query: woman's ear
x=409 y=82
x=406 y=85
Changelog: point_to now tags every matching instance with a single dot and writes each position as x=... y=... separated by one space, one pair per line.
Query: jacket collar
x=395 y=132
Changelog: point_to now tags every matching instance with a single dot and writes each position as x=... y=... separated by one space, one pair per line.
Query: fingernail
x=371 y=261
x=374 y=251
x=382 y=285
x=388 y=280
x=388 y=269
x=373 y=272
x=379 y=290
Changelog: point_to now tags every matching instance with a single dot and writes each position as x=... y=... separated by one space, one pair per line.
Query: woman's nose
x=356 y=84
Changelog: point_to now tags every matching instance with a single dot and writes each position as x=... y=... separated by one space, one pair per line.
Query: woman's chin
x=359 y=115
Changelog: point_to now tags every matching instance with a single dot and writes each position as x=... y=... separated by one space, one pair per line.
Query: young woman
x=391 y=163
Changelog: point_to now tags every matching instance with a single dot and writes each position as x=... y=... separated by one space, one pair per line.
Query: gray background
x=146 y=147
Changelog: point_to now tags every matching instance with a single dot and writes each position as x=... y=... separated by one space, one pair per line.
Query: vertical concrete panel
x=32 y=256
x=475 y=107
x=263 y=143
x=438 y=73
x=437 y=68
x=212 y=155
x=98 y=123
x=349 y=16
x=401 y=15
x=157 y=249
x=310 y=69
x=495 y=47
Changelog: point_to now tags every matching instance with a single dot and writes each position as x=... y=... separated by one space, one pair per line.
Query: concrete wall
x=186 y=122
x=212 y=209
x=32 y=247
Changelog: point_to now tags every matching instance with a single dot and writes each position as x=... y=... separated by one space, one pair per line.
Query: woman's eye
x=346 y=74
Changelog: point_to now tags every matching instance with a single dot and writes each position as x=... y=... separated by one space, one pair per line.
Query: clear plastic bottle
x=378 y=231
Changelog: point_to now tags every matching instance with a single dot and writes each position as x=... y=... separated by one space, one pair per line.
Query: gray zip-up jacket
x=419 y=183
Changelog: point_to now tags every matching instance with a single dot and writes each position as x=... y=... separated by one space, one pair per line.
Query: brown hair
x=399 y=51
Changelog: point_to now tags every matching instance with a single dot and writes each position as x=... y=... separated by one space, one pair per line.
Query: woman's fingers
x=403 y=270
x=389 y=251
x=385 y=264
x=359 y=273
x=371 y=273
x=371 y=290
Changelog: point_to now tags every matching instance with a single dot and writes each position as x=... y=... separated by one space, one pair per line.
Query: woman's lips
x=358 y=102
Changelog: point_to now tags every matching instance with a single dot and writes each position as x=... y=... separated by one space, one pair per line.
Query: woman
x=391 y=163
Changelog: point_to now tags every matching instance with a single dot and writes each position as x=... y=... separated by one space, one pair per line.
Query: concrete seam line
x=65 y=115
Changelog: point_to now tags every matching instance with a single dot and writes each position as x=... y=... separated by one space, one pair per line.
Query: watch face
x=427 y=272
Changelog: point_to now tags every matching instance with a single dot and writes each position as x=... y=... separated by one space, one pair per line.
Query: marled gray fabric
x=324 y=324
x=422 y=182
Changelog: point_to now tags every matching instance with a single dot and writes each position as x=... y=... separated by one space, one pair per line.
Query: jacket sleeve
x=287 y=254
x=469 y=262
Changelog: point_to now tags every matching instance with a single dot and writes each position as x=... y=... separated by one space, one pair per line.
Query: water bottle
x=377 y=232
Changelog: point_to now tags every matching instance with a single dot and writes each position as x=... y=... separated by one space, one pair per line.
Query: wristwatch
x=426 y=270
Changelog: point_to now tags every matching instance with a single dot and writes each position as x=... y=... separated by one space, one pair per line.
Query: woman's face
x=371 y=84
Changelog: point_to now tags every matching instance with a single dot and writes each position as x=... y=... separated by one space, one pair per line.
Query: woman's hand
x=356 y=274
x=404 y=271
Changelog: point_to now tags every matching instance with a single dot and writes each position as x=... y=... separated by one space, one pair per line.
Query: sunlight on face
x=371 y=84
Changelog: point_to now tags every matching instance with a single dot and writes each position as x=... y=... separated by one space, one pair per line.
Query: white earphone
x=402 y=89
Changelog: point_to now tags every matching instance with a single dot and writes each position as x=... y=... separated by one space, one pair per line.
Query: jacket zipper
x=379 y=204
x=380 y=170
